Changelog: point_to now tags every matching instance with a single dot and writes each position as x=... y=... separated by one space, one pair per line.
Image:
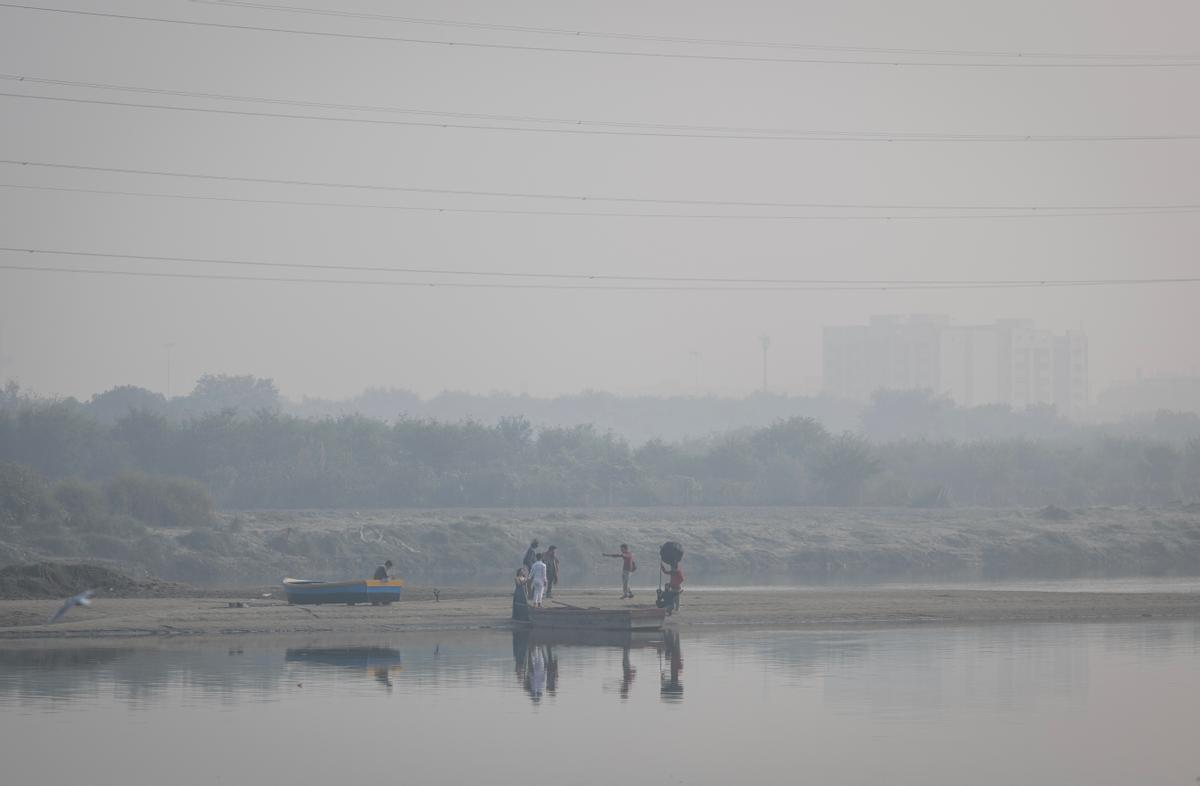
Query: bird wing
x=56 y=616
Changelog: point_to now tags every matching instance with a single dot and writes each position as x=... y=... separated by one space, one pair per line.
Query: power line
x=675 y=39
x=582 y=287
x=601 y=127
x=602 y=52
x=593 y=214
x=720 y=280
x=590 y=198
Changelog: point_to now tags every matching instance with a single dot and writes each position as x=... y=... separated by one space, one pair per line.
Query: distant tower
x=3 y=357
x=766 y=344
x=168 y=347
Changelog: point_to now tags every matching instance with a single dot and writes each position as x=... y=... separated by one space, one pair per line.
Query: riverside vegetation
x=921 y=489
x=910 y=450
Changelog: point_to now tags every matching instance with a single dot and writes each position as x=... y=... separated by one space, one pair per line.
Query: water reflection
x=380 y=662
x=671 y=688
x=536 y=658
x=536 y=665
x=1082 y=704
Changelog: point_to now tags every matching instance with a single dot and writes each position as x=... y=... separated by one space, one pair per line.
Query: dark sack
x=671 y=552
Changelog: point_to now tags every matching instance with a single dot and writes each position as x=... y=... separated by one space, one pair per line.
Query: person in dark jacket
x=381 y=573
x=551 y=560
x=520 y=603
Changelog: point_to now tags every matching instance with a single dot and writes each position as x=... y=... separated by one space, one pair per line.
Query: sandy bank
x=119 y=617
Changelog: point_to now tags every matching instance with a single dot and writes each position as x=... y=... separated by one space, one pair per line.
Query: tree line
x=269 y=459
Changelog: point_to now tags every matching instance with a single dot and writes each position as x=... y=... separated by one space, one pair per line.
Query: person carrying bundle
x=671 y=554
x=674 y=586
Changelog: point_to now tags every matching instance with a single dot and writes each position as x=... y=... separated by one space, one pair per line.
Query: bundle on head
x=671 y=552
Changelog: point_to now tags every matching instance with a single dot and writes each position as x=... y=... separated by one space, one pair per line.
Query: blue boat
x=308 y=592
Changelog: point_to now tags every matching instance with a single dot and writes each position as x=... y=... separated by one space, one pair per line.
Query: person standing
x=530 y=556
x=537 y=576
x=628 y=566
x=520 y=602
x=674 y=586
x=551 y=560
x=381 y=573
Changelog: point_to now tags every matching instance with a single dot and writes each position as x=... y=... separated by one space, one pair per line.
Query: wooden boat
x=625 y=619
x=304 y=591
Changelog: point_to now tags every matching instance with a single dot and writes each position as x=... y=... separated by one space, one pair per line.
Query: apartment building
x=1009 y=362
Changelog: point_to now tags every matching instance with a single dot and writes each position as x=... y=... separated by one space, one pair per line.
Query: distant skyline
x=75 y=334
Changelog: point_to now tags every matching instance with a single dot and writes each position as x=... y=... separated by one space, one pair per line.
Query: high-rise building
x=1010 y=362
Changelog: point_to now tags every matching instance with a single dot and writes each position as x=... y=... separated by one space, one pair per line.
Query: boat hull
x=348 y=592
x=627 y=619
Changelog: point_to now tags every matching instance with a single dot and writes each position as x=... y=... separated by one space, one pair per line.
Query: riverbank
x=806 y=546
x=245 y=613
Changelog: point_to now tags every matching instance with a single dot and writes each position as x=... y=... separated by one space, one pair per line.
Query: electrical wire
x=721 y=280
x=1158 y=64
x=681 y=285
x=675 y=39
x=592 y=199
x=603 y=127
x=596 y=214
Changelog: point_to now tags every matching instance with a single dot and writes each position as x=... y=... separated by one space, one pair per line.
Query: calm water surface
x=1031 y=704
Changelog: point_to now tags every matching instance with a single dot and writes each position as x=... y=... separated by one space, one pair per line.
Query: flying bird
x=82 y=599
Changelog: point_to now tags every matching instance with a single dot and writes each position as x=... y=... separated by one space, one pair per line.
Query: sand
x=214 y=615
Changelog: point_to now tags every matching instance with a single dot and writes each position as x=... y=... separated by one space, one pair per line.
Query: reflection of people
x=535 y=679
x=537 y=575
x=671 y=689
x=520 y=606
x=383 y=676
x=520 y=647
x=674 y=587
x=381 y=573
x=551 y=671
x=551 y=560
x=628 y=566
x=628 y=672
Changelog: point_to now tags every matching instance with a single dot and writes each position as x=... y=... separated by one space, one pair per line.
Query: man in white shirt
x=537 y=576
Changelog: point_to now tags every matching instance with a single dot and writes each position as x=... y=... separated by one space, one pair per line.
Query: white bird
x=82 y=599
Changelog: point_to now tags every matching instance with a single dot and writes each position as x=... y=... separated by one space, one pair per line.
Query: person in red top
x=628 y=566
x=674 y=585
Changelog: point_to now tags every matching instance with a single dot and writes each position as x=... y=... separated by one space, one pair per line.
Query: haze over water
x=1061 y=704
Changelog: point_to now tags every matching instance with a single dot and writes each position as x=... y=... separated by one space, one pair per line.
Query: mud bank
x=465 y=610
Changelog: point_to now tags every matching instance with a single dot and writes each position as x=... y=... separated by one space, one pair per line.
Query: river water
x=1022 y=704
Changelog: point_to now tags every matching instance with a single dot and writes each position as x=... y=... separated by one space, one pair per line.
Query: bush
x=85 y=506
x=25 y=498
x=162 y=501
x=57 y=545
x=206 y=540
x=105 y=546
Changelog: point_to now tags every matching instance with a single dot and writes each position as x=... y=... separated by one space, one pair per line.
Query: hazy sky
x=79 y=334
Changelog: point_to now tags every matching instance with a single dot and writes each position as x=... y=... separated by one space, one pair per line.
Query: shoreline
x=212 y=615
